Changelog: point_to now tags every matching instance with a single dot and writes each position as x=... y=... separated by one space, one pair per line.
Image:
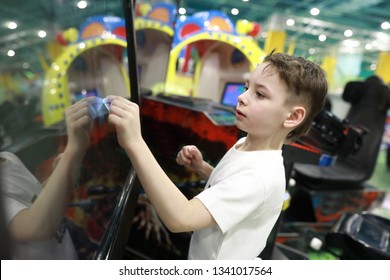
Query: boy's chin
x=239 y=126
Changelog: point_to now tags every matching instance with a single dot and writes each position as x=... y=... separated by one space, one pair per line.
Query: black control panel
x=218 y=114
x=222 y=117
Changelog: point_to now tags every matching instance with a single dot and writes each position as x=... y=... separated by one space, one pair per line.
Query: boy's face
x=262 y=109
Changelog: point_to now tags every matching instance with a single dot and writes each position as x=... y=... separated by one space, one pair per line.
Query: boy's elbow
x=176 y=227
x=190 y=218
x=179 y=223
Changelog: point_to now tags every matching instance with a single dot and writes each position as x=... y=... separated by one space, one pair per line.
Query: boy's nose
x=241 y=98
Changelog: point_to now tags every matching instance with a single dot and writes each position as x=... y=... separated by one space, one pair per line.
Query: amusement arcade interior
x=184 y=63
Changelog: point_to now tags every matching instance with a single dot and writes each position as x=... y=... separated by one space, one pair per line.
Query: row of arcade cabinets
x=194 y=57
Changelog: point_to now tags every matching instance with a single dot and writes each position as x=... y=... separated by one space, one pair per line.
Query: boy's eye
x=260 y=94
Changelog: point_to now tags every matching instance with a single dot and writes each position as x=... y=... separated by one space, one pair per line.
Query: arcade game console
x=171 y=122
x=341 y=187
x=208 y=51
x=361 y=236
x=323 y=196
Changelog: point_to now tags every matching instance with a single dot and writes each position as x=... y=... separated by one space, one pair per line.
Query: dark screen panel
x=231 y=92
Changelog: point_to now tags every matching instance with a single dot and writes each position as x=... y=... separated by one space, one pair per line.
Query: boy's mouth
x=239 y=113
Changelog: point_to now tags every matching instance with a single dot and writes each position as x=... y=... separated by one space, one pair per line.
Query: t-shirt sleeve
x=18 y=186
x=232 y=199
x=11 y=208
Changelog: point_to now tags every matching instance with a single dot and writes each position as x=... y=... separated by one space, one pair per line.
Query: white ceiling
x=364 y=18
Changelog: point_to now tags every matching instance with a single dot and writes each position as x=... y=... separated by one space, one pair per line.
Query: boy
x=243 y=197
x=33 y=215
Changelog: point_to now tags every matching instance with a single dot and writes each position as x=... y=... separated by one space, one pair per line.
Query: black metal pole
x=128 y=8
x=115 y=240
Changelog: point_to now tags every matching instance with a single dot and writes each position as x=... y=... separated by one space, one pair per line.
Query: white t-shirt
x=19 y=188
x=244 y=194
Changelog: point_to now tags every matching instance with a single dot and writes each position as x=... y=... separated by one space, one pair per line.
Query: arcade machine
x=331 y=199
x=327 y=139
x=209 y=51
x=359 y=236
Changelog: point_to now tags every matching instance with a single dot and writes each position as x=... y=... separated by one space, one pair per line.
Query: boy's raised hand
x=190 y=157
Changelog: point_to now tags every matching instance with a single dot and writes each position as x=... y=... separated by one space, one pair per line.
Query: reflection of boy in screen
x=230 y=94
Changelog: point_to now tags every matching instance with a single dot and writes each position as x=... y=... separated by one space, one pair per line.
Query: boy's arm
x=177 y=212
x=42 y=219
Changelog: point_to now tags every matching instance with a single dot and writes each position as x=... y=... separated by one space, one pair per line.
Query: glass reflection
x=82 y=57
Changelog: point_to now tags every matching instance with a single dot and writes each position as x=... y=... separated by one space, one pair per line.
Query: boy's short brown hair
x=306 y=84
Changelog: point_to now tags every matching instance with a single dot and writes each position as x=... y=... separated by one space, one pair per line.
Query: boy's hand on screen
x=124 y=115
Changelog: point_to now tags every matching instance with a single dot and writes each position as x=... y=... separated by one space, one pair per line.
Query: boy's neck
x=257 y=144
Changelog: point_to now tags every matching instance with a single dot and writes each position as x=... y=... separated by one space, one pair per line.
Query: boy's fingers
x=195 y=154
x=182 y=159
x=188 y=152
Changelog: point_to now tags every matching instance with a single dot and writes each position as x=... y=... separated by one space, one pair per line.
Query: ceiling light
x=385 y=25
x=290 y=22
x=11 y=53
x=368 y=47
x=349 y=43
x=322 y=37
x=41 y=34
x=182 y=11
x=312 y=51
x=315 y=11
x=348 y=33
x=373 y=67
x=82 y=4
x=12 y=25
x=235 y=11
x=245 y=0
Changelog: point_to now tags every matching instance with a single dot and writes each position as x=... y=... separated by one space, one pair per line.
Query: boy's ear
x=295 y=117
